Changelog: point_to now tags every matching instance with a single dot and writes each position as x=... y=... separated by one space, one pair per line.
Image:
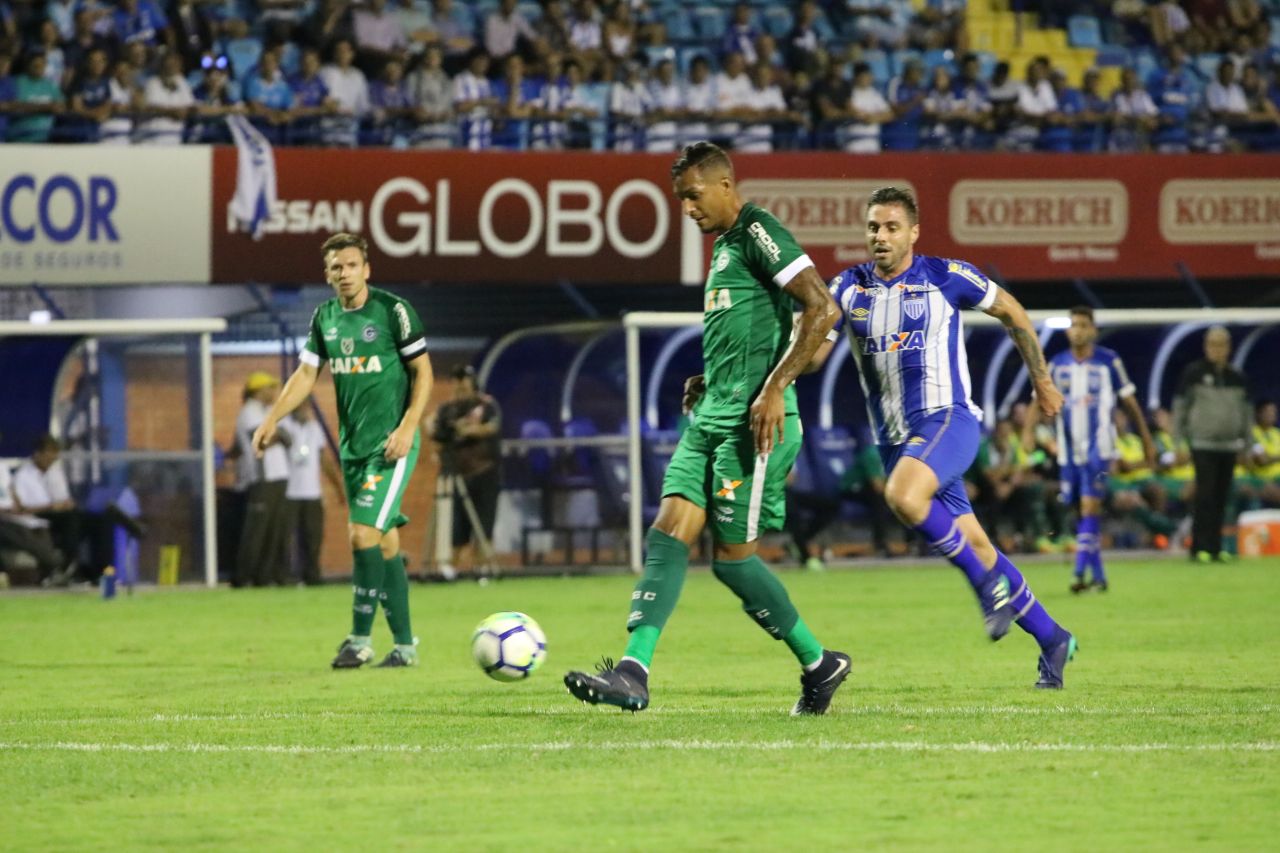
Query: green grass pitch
x=197 y=719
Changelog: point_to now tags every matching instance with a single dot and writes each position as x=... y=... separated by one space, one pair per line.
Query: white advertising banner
x=90 y=214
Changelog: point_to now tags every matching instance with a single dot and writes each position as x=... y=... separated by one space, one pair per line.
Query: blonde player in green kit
x=730 y=468
x=373 y=343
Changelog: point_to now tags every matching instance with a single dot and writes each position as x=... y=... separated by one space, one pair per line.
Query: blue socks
x=1032 y=617
x=940 y=531
x=1089 y=549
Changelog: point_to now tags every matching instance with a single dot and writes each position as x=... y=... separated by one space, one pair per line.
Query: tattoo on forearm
x=809 y=335
x=1029 y=347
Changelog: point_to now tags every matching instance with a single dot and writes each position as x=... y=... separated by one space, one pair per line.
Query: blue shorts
x=946 y=441
x=1088 y=480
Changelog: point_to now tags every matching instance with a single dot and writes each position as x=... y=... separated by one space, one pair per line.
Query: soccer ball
x=509 y=646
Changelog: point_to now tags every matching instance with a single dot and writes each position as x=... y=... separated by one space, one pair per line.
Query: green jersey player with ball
x=373 y=343
x=730 y=467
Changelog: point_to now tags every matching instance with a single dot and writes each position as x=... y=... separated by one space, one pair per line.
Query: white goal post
x=204 y=328
x=1183 y=321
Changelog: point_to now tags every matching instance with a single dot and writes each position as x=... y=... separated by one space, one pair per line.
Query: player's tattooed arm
x=1010 y=312
x=817 y=317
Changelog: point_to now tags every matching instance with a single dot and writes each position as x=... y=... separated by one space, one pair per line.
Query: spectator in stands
x=1175 y=90
x=866 y=112
x=379 y=37
x=942 y=112
x=416 y=26
x=940 y=24
x=24 y=532
x=90 y=99
x=700 y=101
x=263 y=550
x=666 y=98
x=552 y=29
x=1092 y=115
x=126 y=102
x=1212 y=413
x=349 y=89
x=61 y=13
x=269 y=98
x=466 y=432
x=241 y=47
x=1210 y=26
x=629 y=106
x=797 y=89
x=135 y=56
x=391 y=108
x=193 y=32
x=304 y=493
x=1059 y=130
x=283 y=16
x=1036 y=107
x=474 y=102
x=1262 y=133
x=168 y=100
x=431 y=94
x=1134 y=115
x=740 y=35
x=56 y=69
x=881 y=23
x=765 y=108
x=1264 y=455
x=216 y=98
x=586 y=34
x=517 y=99
x=311 y=101
x=906 y=96
x=1168 y=23
x=733 y=99
x=36 y=101
x=1003 y=95
x=619 y=33
x=457 y=35
x=330 y=24
x=803 y=43
x=1227 y=108
x=84 y=41
x=972 y=107
x=506 y=31
x=143 y=21
x=565 y=108
x=831 y=96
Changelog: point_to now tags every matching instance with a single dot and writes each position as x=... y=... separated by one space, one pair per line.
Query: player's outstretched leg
x=366 y=579
x=626 y=685
x=765 y=600
x=395 y=606
x=946 y=536
x=1057 y=644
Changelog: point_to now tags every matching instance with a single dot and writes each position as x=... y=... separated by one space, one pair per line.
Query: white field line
x=573 y=709
x=655 y=745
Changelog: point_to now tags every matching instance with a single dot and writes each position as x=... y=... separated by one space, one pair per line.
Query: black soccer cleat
x=1079 y=585
x=397 y=658
x=997 y=604
x=817 y=687
x=1053 y=661
x=610 y=685
x=351 y=656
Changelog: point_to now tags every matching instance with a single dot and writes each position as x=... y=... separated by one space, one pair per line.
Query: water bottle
x=108 y=582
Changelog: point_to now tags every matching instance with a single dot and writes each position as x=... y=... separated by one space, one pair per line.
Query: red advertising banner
x=458 y=216
x=462 y=216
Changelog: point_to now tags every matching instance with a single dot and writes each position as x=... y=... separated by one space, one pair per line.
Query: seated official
x=25 y=533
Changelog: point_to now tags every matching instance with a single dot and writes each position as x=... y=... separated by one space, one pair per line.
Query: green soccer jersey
x=366 y=349
x=747 y=315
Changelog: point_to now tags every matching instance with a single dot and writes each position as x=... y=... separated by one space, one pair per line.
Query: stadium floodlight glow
x=40 y=315
x=1057 y=323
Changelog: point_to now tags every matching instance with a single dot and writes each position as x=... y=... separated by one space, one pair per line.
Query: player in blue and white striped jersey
x=1093 y=381
x=901 y=313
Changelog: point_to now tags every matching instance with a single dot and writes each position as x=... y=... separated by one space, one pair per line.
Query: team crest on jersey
x=348 y=346
x=913 y=306
x=722 y=261
x=370 y=334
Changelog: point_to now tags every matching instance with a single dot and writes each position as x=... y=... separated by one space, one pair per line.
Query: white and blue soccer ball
x=509 y=646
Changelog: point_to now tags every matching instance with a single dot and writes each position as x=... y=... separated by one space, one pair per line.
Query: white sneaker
x=448 y=572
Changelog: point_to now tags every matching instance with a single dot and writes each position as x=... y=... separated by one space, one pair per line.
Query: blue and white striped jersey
x=1090 y=388
x=907 y=338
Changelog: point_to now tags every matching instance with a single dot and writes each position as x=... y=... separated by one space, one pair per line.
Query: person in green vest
x=1264 y=455
x=1133 y=486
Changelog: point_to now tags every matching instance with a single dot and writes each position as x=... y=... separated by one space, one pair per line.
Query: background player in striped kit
x=1092 y=380
x=901 y=312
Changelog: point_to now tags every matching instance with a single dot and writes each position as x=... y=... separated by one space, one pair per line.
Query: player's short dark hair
x=345 y=240
x=895 y=195
x=47 y=443
x=1083 y=311
x=701 y=155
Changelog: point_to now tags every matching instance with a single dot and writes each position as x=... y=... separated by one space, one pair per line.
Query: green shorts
x=375 y=488
x=742 y=493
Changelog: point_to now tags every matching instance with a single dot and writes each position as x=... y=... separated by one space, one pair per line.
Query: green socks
x=366 y=582
x=656 y=594
x=395 y=600
x=766 y=601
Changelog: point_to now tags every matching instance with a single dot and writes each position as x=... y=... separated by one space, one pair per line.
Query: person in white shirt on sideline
x=21 y=531
x=262 y=556
x=304 y=495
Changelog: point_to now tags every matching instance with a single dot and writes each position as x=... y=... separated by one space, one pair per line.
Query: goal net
x=131 y=403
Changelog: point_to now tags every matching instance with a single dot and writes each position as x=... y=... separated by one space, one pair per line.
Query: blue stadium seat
x=778 y=21
x=655 y=54
x=532 y=11
x=880 y=67
x=1084 y=31
x=1207 y=65
x=243 y=54
x=679 y=25
x=710 y=22
x=822 y=26
x=900 y=58
x=1275 y=31
x=934 y=58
